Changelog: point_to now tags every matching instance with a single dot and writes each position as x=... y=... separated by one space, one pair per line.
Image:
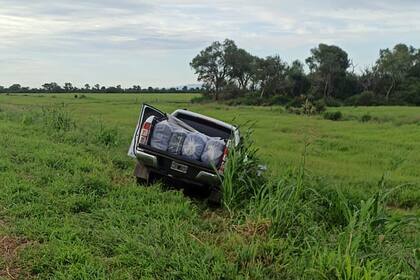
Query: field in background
x=69 y=200
x=350 y=150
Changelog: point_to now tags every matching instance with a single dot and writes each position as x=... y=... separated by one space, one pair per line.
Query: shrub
x=296 y=102
x=231 y=91
x=250 y=99
x=278 y=100
x=294 y=110
x=366 y=118
x=333 y=116
x=332 y=102
x=201 y=99
x=307 y=107
x=320 y=105
x=366 y=98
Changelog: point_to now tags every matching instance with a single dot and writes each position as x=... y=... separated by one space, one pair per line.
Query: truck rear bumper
x=147 y=159
x=195 y=176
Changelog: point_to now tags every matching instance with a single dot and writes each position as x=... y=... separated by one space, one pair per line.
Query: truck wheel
x=216 y=196
x=142 y=182
x=151 y=179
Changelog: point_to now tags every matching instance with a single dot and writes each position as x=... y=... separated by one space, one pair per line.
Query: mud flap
x=141 y=171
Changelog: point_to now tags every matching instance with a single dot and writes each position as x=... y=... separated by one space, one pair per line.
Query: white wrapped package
x=194 y=145
x=161 y=135
x=213 y=151
x=177 y=141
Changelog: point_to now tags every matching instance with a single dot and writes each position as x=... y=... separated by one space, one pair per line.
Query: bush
x=231 y=91
x=201 y=99
x=332 y=102
x=366 y=118
x=366 y=98
x=278 y=100
x=307 y=107
x=320 y=105
x=333 y=116
x=296 y=102
x=250 y=99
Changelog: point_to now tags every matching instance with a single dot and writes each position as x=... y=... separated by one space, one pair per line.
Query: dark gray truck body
x=153 y=161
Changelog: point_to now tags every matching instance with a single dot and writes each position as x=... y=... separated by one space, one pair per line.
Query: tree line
x=53 y=87
x=232 y=73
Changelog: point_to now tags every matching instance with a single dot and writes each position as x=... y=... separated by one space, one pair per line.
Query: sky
x=150 y=43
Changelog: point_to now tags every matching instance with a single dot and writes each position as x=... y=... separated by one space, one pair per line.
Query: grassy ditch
x=69 y=209
x=324 y=234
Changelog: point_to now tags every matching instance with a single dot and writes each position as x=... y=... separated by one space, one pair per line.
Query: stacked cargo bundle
x=193 y=145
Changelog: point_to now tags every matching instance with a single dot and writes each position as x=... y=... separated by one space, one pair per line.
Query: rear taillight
x=145 y=133
x=224 y=158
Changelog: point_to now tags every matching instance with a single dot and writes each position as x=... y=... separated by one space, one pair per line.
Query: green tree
x=52 y=87
x=211 y=67
x=327 y=65
x=298 y=83
x=271 y=73
x=15 y=88
x=68 y=87
x=394 y=65
x=240 y=64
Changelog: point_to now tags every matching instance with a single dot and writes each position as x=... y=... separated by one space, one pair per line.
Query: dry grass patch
x=9 y=250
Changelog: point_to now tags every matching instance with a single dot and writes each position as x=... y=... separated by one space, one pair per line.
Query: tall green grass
x=69 y=191
x=328 y=235
x=241 y=177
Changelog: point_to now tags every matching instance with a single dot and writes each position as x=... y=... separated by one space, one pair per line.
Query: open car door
x=146 y=112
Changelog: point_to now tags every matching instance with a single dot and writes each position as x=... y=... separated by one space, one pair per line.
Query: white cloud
x=39 y=29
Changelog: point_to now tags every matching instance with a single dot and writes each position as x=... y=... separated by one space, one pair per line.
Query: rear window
x=207 y=127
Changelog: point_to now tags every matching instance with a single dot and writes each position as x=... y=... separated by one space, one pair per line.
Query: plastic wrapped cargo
x=213 y=151
x=161 y=135
x=194 y=145
x=177 y=141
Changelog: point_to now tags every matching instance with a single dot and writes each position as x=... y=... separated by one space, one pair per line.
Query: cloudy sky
x=151 y=42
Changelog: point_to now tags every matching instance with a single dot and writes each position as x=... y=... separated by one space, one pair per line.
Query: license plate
x=179 y=167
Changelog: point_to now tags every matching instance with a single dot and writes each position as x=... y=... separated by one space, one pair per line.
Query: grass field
x=69 y=208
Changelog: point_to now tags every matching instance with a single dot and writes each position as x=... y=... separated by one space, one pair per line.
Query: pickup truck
x=152 y=161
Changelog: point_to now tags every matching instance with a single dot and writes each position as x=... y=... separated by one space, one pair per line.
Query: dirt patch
x=9 y=248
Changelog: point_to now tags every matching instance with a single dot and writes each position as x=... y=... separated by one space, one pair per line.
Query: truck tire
x=151 y=179
x=142 y=182
x=216 y=196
